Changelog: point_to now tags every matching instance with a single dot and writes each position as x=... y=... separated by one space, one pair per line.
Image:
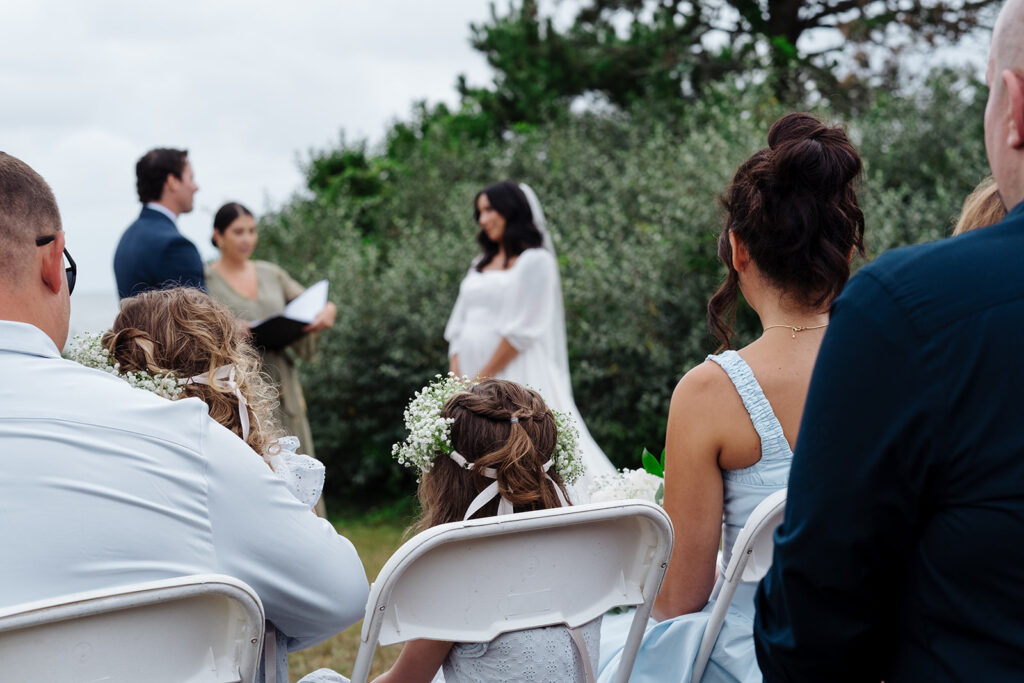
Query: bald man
x=900 y=557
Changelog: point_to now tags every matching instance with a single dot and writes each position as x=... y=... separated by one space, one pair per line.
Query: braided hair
x=484 y=433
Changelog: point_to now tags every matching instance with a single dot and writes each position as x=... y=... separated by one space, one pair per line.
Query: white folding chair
x=204 y=628
x=472 y=581
x=751 y=559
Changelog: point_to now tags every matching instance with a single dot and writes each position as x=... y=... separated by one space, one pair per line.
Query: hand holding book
x=308 y=312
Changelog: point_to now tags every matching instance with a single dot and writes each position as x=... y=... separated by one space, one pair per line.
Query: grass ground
x=376 y=537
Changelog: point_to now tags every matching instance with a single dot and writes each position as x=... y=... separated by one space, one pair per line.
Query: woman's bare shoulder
x=701 y=379
x=705 y=399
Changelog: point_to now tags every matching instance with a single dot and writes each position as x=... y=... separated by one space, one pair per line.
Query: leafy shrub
x=632 y=204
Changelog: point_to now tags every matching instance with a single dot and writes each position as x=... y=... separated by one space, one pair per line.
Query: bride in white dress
x=508 y=321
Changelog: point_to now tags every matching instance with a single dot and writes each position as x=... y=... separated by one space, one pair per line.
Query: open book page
x=278 y=331
x=304 y=307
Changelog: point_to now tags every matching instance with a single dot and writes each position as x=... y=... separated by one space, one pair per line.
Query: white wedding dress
x=522 y=304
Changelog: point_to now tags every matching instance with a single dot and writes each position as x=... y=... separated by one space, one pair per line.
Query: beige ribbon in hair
x=224 y=379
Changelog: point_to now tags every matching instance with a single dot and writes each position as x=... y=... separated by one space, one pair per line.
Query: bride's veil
x=561 y=350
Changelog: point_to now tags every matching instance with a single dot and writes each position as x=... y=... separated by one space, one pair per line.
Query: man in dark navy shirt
x=152 y=254
x=901 y=556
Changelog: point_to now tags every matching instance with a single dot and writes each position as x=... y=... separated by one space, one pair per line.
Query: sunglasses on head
x=71 y=270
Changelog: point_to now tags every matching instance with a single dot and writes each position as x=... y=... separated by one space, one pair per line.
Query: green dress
x=275 y=288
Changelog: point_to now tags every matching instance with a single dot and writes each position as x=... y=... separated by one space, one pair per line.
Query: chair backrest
x=472 y=581
x=204 y=628
x=750 y=561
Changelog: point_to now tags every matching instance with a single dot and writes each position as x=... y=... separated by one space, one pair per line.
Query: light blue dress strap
x=773 y=440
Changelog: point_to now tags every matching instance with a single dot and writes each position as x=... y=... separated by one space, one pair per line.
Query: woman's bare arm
x=693 y=493
x=417 y=663
x=503 y=355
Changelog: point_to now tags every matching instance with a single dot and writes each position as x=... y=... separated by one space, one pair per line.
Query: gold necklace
x=797 y=328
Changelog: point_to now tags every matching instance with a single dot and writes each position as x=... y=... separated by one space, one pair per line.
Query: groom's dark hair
x=152 y=170
x=508 y=199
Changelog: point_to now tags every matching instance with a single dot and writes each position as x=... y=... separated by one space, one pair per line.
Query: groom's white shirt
x=103 y=484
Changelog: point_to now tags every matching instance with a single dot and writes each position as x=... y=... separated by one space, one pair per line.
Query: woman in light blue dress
x=792 y=226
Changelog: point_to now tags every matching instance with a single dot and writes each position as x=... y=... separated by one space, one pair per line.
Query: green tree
x=666 y=51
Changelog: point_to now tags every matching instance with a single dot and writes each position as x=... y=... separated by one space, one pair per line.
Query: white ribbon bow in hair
x=488 y=494
x=224 y=379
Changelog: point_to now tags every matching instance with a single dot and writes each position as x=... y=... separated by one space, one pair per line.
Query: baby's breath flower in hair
x=430 y=435
x=88 y=350
x=568 y=460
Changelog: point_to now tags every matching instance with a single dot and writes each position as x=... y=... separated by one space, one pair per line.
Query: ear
x=740 y=255
x=52 y=270
x=1014 y=83
x=170 y=184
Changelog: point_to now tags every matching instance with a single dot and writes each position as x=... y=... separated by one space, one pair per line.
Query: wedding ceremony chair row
x=750 y=561
x=204 y=628
x=472 y=581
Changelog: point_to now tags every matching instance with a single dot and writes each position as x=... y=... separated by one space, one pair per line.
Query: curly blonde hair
x=482 y=432
x=185 y=332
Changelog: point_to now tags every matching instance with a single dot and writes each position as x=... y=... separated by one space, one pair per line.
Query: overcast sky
x=247 y=87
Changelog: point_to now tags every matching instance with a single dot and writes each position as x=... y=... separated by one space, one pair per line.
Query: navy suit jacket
x=152 y=254
x=900 y=557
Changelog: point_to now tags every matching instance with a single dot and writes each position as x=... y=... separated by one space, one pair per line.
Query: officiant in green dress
x=254 y=290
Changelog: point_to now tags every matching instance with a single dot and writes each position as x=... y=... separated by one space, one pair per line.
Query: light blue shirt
x=103 y=484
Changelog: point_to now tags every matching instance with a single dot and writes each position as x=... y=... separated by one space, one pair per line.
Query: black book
x=276 y=332
x=273 y=334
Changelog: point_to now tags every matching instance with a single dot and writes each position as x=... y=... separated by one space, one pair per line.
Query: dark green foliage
x=631 y=198
x=666 y=52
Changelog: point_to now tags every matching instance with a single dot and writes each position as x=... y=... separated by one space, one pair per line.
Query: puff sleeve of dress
x=528 y=309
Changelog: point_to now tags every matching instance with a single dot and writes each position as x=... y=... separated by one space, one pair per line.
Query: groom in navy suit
x=152 y=254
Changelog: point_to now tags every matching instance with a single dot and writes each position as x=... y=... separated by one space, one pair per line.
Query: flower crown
x=87 y=349
x=430 y=435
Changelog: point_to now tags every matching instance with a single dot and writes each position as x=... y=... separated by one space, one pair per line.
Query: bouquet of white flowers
x=646 y=483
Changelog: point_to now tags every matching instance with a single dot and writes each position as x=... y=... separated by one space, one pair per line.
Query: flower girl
x=485 y=449
x=179 y=343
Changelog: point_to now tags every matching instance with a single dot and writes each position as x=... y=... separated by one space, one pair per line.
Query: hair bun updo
x=809 y=155
x=794 y=207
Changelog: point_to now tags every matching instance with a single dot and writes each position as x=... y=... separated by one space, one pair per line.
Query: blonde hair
x=185 y=332
x=982 y=207
x=482 y=432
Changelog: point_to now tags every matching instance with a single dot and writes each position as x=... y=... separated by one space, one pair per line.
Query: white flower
x=88 y=350
x=430 y=435
x=626 y=484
